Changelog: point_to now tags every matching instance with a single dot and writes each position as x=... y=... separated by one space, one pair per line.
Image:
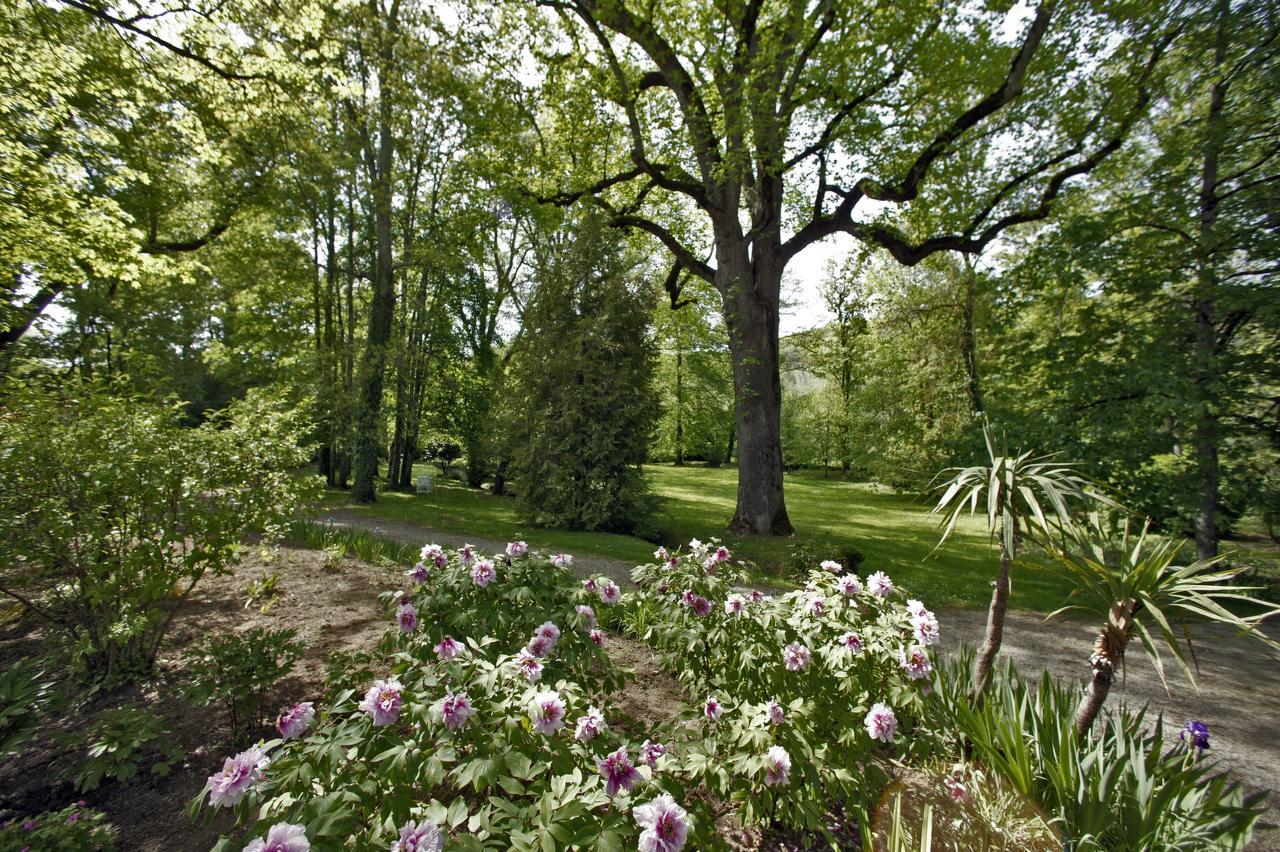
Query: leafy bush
x=112 y=511
x=443 y=450
x=808 y=552
x=1124 y=787
x=25 y=695
x=238 y=670
x=120 y=744
x=832 y=675
x=75 y=828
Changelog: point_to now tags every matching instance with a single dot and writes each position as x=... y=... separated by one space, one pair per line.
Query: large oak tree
x=741 y=132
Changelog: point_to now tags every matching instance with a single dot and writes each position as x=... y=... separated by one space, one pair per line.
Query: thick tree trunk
x=750 y=288
x=1206 y=439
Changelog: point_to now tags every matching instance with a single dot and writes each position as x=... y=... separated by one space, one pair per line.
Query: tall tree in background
x=776 y=119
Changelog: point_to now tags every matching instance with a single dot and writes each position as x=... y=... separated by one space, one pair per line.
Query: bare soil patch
x=331 y=610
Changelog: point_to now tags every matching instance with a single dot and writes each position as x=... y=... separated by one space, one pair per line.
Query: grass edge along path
x=895 y=532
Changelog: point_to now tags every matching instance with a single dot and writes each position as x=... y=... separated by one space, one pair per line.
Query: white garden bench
x=426 y=484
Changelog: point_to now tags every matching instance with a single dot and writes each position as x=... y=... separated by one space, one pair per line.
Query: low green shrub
x=237 y=671
x=121 y=743
x=26 y=695
x=807 y=552
x=75 y=828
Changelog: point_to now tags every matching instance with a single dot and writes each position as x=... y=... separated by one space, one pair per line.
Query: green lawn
x=895 y=532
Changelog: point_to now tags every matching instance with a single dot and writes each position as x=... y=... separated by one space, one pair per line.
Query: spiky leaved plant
x=1022 y=494
x=1131 y=581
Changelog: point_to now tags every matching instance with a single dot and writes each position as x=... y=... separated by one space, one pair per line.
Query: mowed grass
x=895 y=532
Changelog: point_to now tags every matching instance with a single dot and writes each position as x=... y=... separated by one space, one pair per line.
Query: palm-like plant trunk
x=1108 y=654
x=995 y=625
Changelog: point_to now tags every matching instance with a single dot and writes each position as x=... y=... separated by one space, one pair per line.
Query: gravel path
x=419 y=534
x=1238 y=677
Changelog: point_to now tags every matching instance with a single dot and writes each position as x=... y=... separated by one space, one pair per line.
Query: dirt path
x=419 y=534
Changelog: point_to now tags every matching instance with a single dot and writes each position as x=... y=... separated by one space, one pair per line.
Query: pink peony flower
x=881 y=723
x=852 y=642
x=697 y=547
x=956 y=790
x=701 y=606
x=530 y=666
x=817 y=607
x=282 y=837
x=796 y=656
x=483 y=573
x=382 y=701
x=665 y=825
x=618 y=773
x=590 y=725
x=849 y=585
x=774 y=713
x=721 y=554
x=418 y=573
x=713 y=709
x=651 y=751
x=831 y=566
x=596 y=635
x=407 y=617
x=687 y=597
x=661 y=554
x=467 y=555
x=587 y=613
x=924 y=625
x=238 y=774
x=516 y=549
x=419 y=837
x=434 y=554
x=914 y=607
x=879 y=584
x=673 y=563
x=710 y=565
x=455 y=710
x=735 y=604
x=756 y=596
x=449 y=648
x=608 y=591
x=915 y=662
x=294 y=722
x=589 y=584
x=546 y=711
x=540 y=646
x=777 y=766
x=562 y=560
x=548 y=630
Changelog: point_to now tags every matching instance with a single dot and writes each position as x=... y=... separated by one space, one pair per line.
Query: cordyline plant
x=1133 y=583
x=1023 y=494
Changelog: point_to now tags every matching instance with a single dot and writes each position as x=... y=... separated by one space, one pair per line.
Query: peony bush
x=490 y=724
x=490 y=729
x=807 y=694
